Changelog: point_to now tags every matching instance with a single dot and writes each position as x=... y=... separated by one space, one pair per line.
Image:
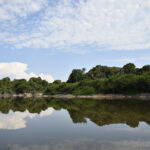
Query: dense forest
x=100 y=112
x=100 y=79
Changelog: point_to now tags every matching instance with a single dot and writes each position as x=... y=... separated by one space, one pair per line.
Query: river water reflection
x=52 y=124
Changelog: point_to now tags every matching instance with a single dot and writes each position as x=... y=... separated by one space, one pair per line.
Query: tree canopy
x=76 y=75
x=129 y=68
x=99 y=79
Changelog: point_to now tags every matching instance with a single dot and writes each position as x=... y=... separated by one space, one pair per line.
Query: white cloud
x=17 y=70
x=113 y=24
x=11 y=9
x=16 y=120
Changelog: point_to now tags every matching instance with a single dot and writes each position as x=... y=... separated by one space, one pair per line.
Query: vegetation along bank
x=127 y=80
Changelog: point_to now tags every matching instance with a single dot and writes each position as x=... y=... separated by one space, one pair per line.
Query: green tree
x=129 y=68
x=76 y=75
x=57 y=82
x=21 y=86
x=37 y=84
x=102 y=72
x=6 y=85
x=146 y=68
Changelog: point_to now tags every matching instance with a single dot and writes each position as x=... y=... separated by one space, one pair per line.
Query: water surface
x=52 y=124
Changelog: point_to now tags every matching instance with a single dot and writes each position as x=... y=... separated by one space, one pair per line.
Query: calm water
x=51 y=124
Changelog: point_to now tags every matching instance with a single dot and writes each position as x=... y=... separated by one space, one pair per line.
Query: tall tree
x=129 y=68
x=76 y=75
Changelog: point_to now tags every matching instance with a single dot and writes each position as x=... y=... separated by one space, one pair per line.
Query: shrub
x=85 y=91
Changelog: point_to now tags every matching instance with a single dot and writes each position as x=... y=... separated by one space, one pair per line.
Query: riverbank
x=145 y=96
x=104 y=96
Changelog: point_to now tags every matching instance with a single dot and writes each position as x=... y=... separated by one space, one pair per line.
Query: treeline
x=103 y=79
x=100 y=79
x=34 y=85
x=105 y=72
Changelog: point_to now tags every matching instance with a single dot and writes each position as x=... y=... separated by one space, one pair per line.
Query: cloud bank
x=17 y=70
x=109 y=24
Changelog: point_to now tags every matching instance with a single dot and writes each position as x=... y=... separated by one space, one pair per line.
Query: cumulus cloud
x=17 y=70
x=16 y=120
x=109 y=24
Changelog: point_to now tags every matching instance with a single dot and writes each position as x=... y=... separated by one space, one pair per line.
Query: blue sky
x=49 y=38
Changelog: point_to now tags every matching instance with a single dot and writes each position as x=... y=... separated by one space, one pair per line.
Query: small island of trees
x=100 y=79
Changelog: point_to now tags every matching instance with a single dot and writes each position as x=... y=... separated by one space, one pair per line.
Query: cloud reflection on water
x=16 y=120
x=86 y=144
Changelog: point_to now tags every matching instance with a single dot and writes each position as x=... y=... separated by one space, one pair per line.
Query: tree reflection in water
x=129 y=112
